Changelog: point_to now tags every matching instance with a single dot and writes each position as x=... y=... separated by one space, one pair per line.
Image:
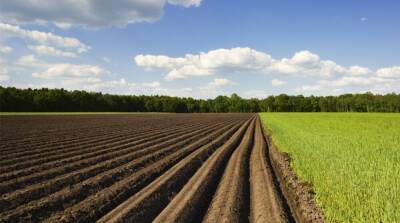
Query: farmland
x=352 y=161
x=138 y=168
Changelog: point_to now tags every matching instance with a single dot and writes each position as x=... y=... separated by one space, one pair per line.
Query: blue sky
x=202 y=48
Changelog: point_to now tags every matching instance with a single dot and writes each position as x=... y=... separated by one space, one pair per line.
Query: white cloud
x=214 y=88
x=357 y=70
x=87 y=13
x=346 y=81
x=153 y=84
x=389 y=72
x=260 y=94
x=4 y=77
x=309 y=88
x=220 y=82
x=204 y=64
x=363 y=19
x=80 y=82
x=4 y=74
x=186 y=71
x=276 y=82
x=106 y=59
x=123 y=86
x=159 y=62
x=5 y=49
x=306 y=63
x=48 y=39
x=244 y=60
x=185 y=3
x=63 y=25
x=70 y=70
x=30 y=61
x=344 y=84
x=51 y=51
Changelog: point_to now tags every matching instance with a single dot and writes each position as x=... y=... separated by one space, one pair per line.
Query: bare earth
x=139 y=168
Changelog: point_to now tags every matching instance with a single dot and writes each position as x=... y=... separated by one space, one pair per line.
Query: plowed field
x=137 y=168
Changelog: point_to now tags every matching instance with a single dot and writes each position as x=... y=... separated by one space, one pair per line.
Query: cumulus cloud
x=389 y=72
x=305 y=63
x=244 y=60
x=309 y=88
x=87 y=13
x=357 y=70
x=346 y=81
x=123 y=86
x=364 y=83
x=30 y=61
x=4 y=75
x=219 y=82
x=44 y=38
x=70 y=70
x=51 y=51
x=327 y=74
x=5 y=49
x=205 y=64
x=276 y=82
x=153 y=84
x=69 y=73
x=185 y=3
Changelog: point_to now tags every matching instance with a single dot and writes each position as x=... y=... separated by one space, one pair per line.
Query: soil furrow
x=61 y=145
x=39 y=190
x=38 y=159
x=145 y=168
x=104 y=150
x=230 y=201
x=191 y=203
x=146 y=204
x=116 y=178
x=265 y=205
x=108 y=198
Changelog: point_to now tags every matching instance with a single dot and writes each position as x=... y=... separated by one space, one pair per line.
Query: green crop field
x=351 y=159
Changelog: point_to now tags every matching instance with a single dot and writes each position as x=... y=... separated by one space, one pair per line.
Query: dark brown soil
x=299 y=194
x=145 y=167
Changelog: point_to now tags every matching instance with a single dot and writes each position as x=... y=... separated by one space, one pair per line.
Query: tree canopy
x=60 y=100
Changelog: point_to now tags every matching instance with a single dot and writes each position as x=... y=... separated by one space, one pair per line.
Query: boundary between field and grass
x=298 y=194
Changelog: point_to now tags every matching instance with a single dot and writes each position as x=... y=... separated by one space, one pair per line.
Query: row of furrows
x=74 y=144
x=50 y=200
x=46 y=140
x=57 y=177
x=13 y=139
x=149 y=202
x=62 y=124
x=216 y=173
x=73 y=137
x=55 y=142
x=61 y=134
x=212 y=186
x=90 y=150
x=104 y=201
x=119 y=147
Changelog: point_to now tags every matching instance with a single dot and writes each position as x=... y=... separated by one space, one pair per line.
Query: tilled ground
x=138 y=168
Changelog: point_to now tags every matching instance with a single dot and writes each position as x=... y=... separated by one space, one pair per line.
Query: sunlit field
x=351 y=159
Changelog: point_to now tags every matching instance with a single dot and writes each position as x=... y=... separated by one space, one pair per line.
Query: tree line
x=61 y=100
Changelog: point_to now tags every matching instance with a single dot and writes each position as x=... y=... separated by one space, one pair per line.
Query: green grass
x=351 y=159
x=73 y=113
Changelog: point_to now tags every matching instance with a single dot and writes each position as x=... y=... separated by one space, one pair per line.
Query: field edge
x=298 y=193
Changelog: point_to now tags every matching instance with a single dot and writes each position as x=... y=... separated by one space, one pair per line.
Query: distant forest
x=60 y=100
